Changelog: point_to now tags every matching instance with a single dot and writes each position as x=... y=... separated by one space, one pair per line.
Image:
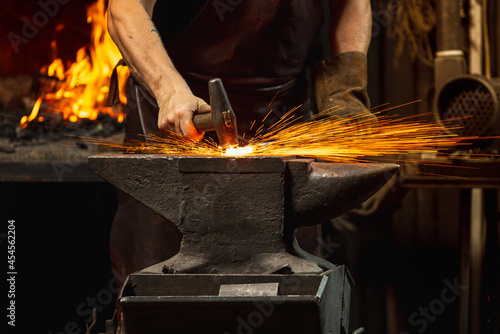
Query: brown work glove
x=340 y=88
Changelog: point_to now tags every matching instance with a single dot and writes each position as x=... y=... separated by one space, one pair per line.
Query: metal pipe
x=448 y=31
x=449 y=61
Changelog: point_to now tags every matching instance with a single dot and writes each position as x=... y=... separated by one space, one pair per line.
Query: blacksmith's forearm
x=131 y=28
x=350 y=26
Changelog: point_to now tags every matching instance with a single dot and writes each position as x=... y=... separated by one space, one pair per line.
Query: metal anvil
x=238 y=215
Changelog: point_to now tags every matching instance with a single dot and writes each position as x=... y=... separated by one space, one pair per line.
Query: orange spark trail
x=325 y=136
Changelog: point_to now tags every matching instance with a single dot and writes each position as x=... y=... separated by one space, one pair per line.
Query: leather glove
x=340 y=86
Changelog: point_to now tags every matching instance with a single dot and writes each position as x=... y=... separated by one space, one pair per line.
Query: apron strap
x=114 y=89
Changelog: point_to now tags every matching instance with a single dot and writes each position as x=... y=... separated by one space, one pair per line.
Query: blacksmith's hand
x=177 y=109
x=340 y=87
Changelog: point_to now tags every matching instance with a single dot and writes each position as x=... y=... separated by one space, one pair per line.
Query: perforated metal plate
x=468 y=106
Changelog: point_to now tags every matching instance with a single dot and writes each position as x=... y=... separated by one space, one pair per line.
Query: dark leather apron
x=259 y=49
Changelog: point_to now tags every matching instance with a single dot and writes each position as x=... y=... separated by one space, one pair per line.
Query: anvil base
x=185 y=303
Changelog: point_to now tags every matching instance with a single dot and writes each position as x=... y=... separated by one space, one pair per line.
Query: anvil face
x=236 y=214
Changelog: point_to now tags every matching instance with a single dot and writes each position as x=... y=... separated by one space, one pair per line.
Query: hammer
x=222 y=118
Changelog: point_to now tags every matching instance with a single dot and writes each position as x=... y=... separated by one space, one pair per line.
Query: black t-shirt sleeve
x=172 y=17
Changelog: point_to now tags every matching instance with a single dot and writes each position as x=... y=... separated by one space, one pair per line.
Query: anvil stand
x=239 y=268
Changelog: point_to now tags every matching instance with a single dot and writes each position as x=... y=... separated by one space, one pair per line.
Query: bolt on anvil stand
x=239 y=268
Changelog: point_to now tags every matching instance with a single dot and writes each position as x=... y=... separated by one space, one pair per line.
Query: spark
x=238 y=151
x=263 y=120
x=273 y=98
x=325 y=136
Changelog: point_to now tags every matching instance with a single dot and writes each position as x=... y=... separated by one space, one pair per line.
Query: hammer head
x=223 y=117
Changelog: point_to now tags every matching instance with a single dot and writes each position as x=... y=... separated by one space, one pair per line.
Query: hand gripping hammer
x=222 y=118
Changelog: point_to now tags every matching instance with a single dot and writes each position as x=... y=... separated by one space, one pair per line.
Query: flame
x=25 y=120
x=84 y=85
x=56 y=69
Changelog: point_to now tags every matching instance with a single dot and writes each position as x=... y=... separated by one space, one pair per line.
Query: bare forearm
x=350 y=26
x=131 y=27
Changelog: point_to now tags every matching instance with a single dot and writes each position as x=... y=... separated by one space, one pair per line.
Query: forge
x=238 y=254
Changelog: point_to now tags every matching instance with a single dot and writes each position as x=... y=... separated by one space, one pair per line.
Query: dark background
x=62 y=229
x=38 y=52
x=62 y=255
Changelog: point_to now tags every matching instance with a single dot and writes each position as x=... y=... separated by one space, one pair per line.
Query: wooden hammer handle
x=203 y=122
